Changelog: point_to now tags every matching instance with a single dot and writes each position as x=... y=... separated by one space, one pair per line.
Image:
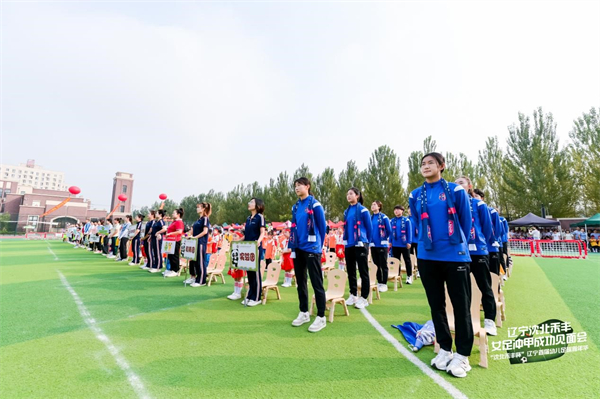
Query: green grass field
x=194 y=343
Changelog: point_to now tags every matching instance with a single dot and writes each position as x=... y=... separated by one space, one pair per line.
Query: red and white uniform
x=288 y=262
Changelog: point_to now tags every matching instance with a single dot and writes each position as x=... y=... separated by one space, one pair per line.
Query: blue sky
x=194 y=96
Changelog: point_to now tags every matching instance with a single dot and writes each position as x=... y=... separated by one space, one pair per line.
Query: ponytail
x=207 y=208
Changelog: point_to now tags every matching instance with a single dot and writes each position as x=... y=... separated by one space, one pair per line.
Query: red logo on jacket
x=450 y=227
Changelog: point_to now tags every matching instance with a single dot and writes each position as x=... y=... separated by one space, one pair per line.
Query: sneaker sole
x=314 y=331
x=459 y=376
x=298 y=325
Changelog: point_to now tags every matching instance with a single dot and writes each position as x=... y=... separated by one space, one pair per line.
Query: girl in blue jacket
x=444 y=214
x=402 y=238
x=494 y=240
x=357 y=236
x=481 y=232
x=306 y=242
x=380 y=244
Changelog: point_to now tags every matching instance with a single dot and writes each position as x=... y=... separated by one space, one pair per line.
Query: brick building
x=25 y=205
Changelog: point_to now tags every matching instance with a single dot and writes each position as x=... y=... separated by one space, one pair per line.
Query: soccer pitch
x=75 y=324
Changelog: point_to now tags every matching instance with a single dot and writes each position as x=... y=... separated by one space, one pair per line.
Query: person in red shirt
x=174 y=233
x=288 y=263
x=269 y=246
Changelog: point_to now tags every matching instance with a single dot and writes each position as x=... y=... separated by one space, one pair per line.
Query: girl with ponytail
x=357 y=237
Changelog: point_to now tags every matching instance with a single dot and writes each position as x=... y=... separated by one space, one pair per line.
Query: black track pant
x=123 y=247
x=403 y=252
x=311 y=263
x=380 y=256
x=174 y=257
x=457 y=277
x=481 y=272
x=357 y=256
x=501 y=258
x=135 y=248
x=495 y=262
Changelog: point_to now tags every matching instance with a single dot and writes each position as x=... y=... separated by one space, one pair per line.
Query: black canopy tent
x=533 y=220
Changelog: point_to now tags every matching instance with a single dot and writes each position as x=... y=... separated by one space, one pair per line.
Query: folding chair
x=413 y=260
x=336 y=286
x=499 y=297
x=270 y=283
x=330 y=263
x=478 y=331
x=217 y=271
x=212 y=263
x=394 y=272
x=184 y=267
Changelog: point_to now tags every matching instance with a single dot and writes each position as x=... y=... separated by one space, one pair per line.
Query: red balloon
x=74 y=190
x=163 y=196
x=122 y=197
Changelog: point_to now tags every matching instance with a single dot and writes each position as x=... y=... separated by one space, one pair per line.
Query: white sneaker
x=234 y=296
x=189 y=281
x=317 y=325
x=505 y=277
x=490 y=327
x=459 y=366
x=154 y=270
x=111 y=256
x=442 y=360
x=361 y=303
x=382 y=287
x=286 y=285
x=253 y=303
x=194 y=284
x=144 y=267
x=409 y=280
x=418 y=275
x=351 y=300
x=171 y=273
x=303 y=317
x=105 y=255
x=132 y=264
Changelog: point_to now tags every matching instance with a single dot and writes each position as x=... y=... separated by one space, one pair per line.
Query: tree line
x=532 y=170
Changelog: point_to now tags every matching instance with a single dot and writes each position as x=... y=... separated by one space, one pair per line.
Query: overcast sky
x=197 y=96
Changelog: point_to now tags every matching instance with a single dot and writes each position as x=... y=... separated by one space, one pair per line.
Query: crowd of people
x=591 y=237
x=447 y=227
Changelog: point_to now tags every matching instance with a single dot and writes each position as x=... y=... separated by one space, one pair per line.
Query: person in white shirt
x=124 y=239
x=535 y=233
x=556 y=235
x=114 y=233
x=568 y=235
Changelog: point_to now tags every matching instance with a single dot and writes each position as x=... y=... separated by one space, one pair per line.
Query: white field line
x=51 y=251
x=134 y=380
x=429 y=372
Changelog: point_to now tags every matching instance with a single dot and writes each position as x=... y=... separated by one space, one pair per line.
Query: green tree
x=383 y=181
x=537 y=169
x=349 y=177
x=415 y=179
x=189 y=207
x=302 y=171
x=492 y=167
x=325 y=189
x=585 y=151
x=281 y=198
